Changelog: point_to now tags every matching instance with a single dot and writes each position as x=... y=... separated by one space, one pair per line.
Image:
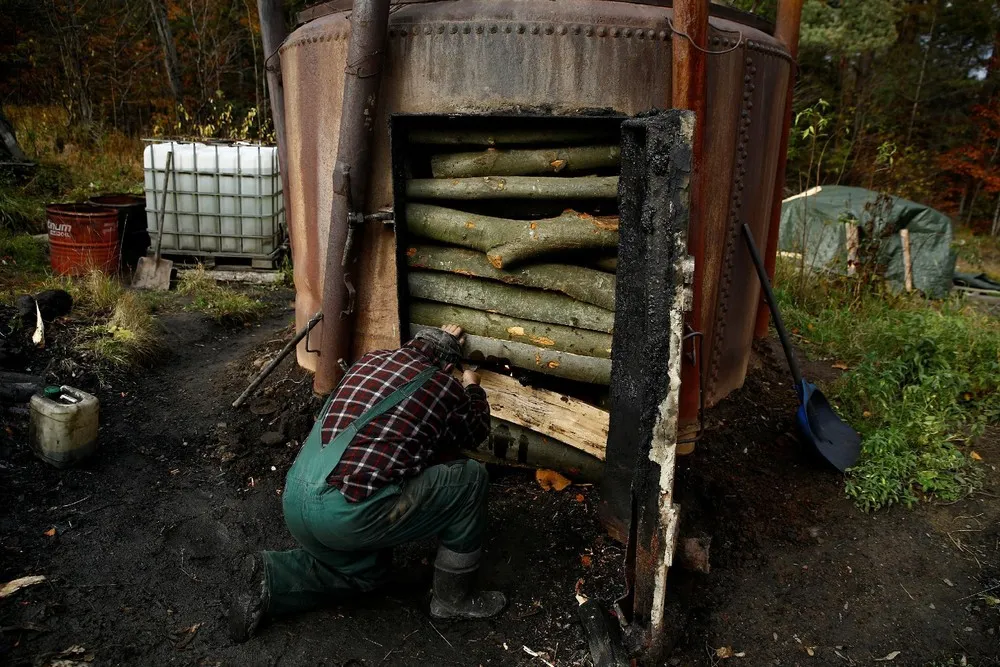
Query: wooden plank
x=559 y=417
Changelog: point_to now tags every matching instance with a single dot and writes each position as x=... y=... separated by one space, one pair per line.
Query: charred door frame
x=653 y=293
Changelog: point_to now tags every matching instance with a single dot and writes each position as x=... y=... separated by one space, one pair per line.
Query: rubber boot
x=454 y=577
x=249 y=605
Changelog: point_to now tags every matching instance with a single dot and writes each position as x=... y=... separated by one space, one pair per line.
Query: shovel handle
x=162 y=213
x=779 y=324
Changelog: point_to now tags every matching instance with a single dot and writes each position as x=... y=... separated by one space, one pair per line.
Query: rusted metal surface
x=787 y=33
x=351 y=174
x=82 y=238
x=492 y=56
x=690 y=43
x=322 y=9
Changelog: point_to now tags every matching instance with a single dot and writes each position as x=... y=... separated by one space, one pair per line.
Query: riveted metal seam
x=735 y=208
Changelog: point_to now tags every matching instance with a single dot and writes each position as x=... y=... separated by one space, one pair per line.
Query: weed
x=129 y=339
x=922 y=382
x=226 y=306
x=286 y=272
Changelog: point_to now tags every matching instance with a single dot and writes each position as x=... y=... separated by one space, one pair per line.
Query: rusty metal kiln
x=468 y=64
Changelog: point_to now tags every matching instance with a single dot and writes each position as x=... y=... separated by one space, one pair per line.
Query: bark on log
x=557 y=416
x=520 y=302
x=490 y=325
x=531 y=357
x=583 y=284
x=508 y=242
x=514 y=187
x=513 y=445
x=505 y=137
x=524 y=161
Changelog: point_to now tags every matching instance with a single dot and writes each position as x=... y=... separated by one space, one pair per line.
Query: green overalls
x=346 y=547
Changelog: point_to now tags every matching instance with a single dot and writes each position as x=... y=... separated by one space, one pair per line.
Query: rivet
x=453 y=29
x=440 y=29
x=494 y=29
x=746 y=95
x=715 y=41
x=466 y=30
x=602 y=31
x=520 y=29
x=663 y=34
x=507 y=29
x=479 y=29
x=589 y=32
x=402 y=33
x=753 y=70
x=749 y=104
x=549 y=30
x=628 y=32
x=428 y=30
x=651 y=34
x=739 y=185
x=751 y=87
x=640 y=34
x=562 y=30
x=615 y=32
x=577 y=30
x=535 y=30
x=747 y=78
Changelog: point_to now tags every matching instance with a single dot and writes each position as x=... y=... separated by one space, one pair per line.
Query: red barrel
x=82 y=238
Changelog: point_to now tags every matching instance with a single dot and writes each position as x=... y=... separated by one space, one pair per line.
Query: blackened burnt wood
x=503 y=137
x=653 y=269
x=509 y=242
x=522 y=302
x=524 y=161
x=514 y=187
x=583 y=284
x=491 y=325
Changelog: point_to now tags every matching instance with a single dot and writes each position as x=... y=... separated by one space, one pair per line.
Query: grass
x=226 y=306
x=129 y=339
x=22 y=253
x=921 y=385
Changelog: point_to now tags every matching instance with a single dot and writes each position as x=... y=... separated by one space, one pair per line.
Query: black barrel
x=131 y=225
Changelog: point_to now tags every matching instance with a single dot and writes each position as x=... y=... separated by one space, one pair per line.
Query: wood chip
x=12 y=587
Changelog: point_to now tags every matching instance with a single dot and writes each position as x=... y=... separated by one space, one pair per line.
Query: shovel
x=835 y=441
x=154 y=273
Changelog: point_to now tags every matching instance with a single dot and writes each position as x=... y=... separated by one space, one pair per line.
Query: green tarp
x=814 y=223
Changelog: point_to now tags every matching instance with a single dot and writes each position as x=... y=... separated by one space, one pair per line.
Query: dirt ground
x=140 y=563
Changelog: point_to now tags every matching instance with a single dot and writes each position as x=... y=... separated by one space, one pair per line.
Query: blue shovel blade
x=820 y=425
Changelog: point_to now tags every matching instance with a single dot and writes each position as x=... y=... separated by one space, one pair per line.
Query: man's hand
x=469 y=377
x=454 y=330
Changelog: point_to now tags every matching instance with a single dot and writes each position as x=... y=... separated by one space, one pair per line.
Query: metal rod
x=690 y=39
x=248 y=392
x=362 y=78
x=779 y=324
x=787 y=32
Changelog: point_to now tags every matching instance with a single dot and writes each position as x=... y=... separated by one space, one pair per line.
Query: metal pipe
x=248 y=392
x=787 y=31
x=690 y=39
x=273 y=31
x=362 y=77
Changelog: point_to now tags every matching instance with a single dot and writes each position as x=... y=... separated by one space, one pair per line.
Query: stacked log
x=535 y=293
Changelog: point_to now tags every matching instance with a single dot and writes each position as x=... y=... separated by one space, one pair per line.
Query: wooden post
x=654 y=274
x=690 y=39
x=786 y=30
x=904 y=239
x=851 y=232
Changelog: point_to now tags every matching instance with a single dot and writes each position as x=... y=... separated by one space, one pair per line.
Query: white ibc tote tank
x=223 y=200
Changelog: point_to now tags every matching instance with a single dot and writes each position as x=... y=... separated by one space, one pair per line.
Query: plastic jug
x=63 y=428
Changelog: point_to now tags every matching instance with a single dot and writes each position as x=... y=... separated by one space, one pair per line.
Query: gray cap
x=444 y=346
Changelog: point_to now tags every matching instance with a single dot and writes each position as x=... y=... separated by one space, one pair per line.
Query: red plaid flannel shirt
x=441 y=416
